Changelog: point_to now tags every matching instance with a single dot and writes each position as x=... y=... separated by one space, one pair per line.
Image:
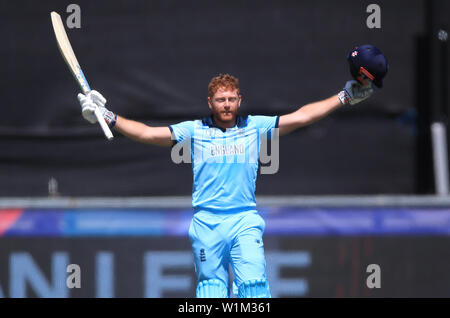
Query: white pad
x=255 y=288
x=212 y=288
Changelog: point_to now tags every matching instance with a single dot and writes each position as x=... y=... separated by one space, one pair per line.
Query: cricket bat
x=69 y=57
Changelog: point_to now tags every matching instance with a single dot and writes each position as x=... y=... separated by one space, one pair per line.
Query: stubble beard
x=225 y=117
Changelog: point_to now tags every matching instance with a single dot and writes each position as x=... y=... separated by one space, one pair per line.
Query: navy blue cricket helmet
x=368 y=62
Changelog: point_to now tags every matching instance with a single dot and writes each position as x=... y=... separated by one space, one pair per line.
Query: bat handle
x=103 y=124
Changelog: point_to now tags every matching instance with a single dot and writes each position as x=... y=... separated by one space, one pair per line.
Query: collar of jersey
x=241 y=121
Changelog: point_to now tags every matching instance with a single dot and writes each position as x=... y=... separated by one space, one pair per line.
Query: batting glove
x=355 y=92
x=88 y=104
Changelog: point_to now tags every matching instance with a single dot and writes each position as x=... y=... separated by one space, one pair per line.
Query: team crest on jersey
x=202 y=255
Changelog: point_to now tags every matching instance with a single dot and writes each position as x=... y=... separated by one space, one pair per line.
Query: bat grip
x=103 y=124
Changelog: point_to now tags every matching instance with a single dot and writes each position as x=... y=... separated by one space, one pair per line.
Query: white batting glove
x=91 y=101
x=354 y=92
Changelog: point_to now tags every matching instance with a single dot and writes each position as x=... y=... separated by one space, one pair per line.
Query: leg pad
x=255 y=288
x=212 y=288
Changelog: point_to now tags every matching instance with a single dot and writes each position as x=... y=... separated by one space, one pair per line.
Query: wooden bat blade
x=67 y=52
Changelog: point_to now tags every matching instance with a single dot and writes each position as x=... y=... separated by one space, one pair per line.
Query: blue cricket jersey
x=224 y=162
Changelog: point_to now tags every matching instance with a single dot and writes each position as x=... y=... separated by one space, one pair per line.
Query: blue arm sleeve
x=182 y=131
x=265 y=123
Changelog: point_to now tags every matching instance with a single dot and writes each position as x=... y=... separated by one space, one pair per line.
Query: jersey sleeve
x=182 y=131
x=265 y=123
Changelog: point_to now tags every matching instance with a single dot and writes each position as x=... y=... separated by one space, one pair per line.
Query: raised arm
x=353 y=93
x=307 y=114
x=140 y=132
x=134 y=130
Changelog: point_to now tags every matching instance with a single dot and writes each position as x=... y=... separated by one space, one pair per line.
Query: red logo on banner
x=8 y=218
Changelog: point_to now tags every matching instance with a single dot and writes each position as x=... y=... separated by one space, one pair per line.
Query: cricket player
x=226 y=227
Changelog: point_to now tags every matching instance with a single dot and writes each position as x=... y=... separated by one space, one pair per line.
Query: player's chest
x=216 y=143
